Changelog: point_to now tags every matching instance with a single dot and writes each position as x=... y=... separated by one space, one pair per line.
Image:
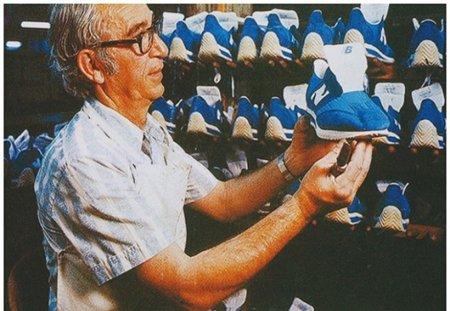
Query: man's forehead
x=126 y=15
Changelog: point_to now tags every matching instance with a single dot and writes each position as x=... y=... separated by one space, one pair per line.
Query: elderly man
x=113 y=184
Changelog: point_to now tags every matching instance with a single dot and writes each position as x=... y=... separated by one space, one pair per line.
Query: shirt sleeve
x=200 y=181
x=110 y=224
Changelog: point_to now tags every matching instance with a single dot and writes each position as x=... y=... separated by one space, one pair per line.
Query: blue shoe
x=372 y=36
x=216 y=43
x=165 y=113
x=317 y=34
x=281 y=120
x=205 y=119
x=428 y=129
x=393 y=209
x=336 y=114
x=250 y=42
x=350 y=215
x=279 y=43
x=184 y=44
x=247 y=120
x=427 y=47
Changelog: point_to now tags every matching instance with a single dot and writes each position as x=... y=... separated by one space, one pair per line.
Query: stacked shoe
x=371 y=35
x=317 y=34
x=250 y=42
x=427 y=47
x=184 y=44
x=390 y=97
x=351 y=215
x=169 y=21
x=338 y=106
x=247 y=120
x=164 y=111
x=217 y=43
x=205 y=118
x=428 y=128
x=279 y=42
x=393 y=208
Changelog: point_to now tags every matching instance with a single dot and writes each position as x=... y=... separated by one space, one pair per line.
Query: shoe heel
x=426 y=55
x=313 y=48
x=247 y=50
x=353 y=36
x=274 y=130
x=425 y=135
x=242 y=129
x=390 y=219
x=196 y=124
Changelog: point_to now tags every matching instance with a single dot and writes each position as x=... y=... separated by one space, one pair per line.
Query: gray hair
x=74 y=27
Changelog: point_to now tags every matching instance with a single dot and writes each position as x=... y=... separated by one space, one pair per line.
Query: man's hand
x=321 y=192
x=306 y=148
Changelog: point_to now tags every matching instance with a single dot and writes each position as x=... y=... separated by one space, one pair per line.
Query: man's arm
x=202 y=281
x=241 y=196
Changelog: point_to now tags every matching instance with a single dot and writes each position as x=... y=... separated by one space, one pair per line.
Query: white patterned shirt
x=105 y=206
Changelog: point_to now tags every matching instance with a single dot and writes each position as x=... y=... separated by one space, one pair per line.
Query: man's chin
x=156 y=92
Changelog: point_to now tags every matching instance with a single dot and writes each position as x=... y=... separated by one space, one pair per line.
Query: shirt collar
x=116 y=125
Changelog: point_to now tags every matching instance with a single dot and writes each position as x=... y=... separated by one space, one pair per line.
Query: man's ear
x=88 y=66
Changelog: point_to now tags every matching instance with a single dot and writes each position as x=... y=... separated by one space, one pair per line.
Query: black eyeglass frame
x=150 y=31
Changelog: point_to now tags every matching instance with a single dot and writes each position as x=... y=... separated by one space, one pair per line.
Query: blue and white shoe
x=317 y=34
x=247 y=120
x=205 y=119
x=281 y=120
x=250 y=42
x=165 y=113
x=393 y=209
x=372 y=36
x=217 y=43
x=427 y=47
x=428 y=128
x=184 y=44
x=279 y=43
x=391 y=104
x=350 y=215
x=338 y=106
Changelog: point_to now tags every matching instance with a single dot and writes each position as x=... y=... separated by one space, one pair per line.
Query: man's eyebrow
x=140 y=26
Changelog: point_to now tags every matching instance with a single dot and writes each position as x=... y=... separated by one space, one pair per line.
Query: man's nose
x=159 y=48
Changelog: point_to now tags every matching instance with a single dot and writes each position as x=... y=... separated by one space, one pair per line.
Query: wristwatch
x=283 y=169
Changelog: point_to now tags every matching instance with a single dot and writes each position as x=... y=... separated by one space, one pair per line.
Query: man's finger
x=365 y=166
x=351 y=173
x=330 y=159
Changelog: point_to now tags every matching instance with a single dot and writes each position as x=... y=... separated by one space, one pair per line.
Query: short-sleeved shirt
x=107 y=204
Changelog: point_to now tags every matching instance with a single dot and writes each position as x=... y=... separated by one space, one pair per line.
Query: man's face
x=138 y=76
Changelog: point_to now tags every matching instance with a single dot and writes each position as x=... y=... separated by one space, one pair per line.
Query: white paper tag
x=227 y=20
x=295 y=95
x=383 y=184
x=236 y=162
x=433 y=92
x=348 y=63
x=300 y=305
x=170 y=21
x=211 y=94
x=374 y=12
x=391 y=94
x=196 y=23
x=287 y=17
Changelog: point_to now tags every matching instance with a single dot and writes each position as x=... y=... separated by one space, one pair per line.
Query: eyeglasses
x=144 y=41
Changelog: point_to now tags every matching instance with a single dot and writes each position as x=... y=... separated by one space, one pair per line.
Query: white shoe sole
x=425 y=135
x=313 y=48
x=178 y=51
x=271 y=48
x=209 y=49
x=390 y=219
x=197 y=124
x=426 y=55
x=242 y=129
x=274 y=130
x=247 y=50
x=354 y=36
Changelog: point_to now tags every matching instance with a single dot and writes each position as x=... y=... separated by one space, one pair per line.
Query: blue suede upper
x=223 y=37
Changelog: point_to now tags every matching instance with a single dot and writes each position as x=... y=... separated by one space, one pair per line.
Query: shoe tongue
x=277 y=100
x=316 y=17
x=274 y=20
x=295 y=95
x=320 y=67
x=390 y=186
x=348 y=63
x=374 y=13
x=391 y=95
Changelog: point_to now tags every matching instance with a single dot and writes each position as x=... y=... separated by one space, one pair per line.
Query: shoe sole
x=390 y=219
x=354 y=36
x=426 y=55
x=247 y=50
x=198 y=125
x=242 y=129
x=342 y=216
x=386 y=141
x=337 y=135
x=178 y=51
x=274 y=130
x=313 y=48
x=209 y=49
x=271 y=48
x=160 y=118
x=425 y=135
